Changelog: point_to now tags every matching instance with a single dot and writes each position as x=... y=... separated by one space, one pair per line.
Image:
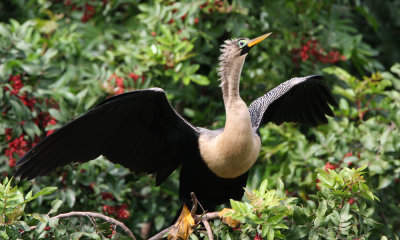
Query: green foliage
x=60 y=58
x=363 y=133
x=340 y=211
x=13 y=219
x=265 y=214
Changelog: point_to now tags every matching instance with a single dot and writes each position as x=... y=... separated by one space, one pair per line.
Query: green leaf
x=384 y=181
x=325 y=178
x=320 y=215
x=335 y=217
x=4 y=235
x=263 y=186
x=344 y=213
x=200 y=79
x=313 y=235
x=54 y=206
x=40 y=226
x=4 y=32
x=362 y=168
x=53 y=223
x=279 y=184
x=267 y=231
x=44 y=191
x=57 y=115
x=276 y=219
x=70 y=196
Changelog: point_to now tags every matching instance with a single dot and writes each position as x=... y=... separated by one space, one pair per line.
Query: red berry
x=122 y=213
x=106 y=196
x=134 y=76
x=204 y=5
x=108 y=209
x=183 y=17
x=349 y=163
x=348 y=154
x=328 y=165
x=196 y=21
x=49 y=132
x=258 y=237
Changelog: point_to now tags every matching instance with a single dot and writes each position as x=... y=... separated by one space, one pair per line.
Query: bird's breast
x=233 y=152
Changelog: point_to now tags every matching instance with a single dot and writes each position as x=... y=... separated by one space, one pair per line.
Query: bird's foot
x=183 y=227
x=228 y=220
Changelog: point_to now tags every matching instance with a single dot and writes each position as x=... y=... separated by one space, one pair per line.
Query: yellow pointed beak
x=254 y=41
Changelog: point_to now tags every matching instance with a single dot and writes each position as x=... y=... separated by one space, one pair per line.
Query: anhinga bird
x=141 y=131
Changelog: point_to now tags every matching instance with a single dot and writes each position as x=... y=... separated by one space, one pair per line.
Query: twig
x=194 y=206
x=208 y=227
x=95 y=226
x=97 y=215
x=195 y=202
x=161 y=234
x=145 y=229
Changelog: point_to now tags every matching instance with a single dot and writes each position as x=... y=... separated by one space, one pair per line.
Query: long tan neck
x=237 y=114
x=231 y=81
x=235 y=150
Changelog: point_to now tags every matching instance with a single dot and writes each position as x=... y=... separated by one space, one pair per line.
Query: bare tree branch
x=97 y=215
x=202 y=218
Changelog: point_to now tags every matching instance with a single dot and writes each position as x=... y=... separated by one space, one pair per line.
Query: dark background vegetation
x=58 y=58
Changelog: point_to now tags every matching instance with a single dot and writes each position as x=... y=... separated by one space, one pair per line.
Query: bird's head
x=233 y=54
x=240 y=46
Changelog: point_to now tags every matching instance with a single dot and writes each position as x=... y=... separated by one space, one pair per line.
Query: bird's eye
x=242 y=43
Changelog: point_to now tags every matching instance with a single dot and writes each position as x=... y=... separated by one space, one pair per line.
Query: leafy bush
x=13 y=219
x=340 y=213
x=59 y=58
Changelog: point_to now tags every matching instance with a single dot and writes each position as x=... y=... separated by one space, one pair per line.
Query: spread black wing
x=139 y=130
x=305 y=100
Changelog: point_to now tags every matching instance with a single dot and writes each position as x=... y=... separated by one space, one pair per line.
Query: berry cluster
x=88 y=10
x=16 y=84
x=258 y=237
x=120 y=212
x=217 y=5
x=17 y=146
x=331 y=166
x=115 y=84
x=312 y=51
x=119 y=83
x=112 y=228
